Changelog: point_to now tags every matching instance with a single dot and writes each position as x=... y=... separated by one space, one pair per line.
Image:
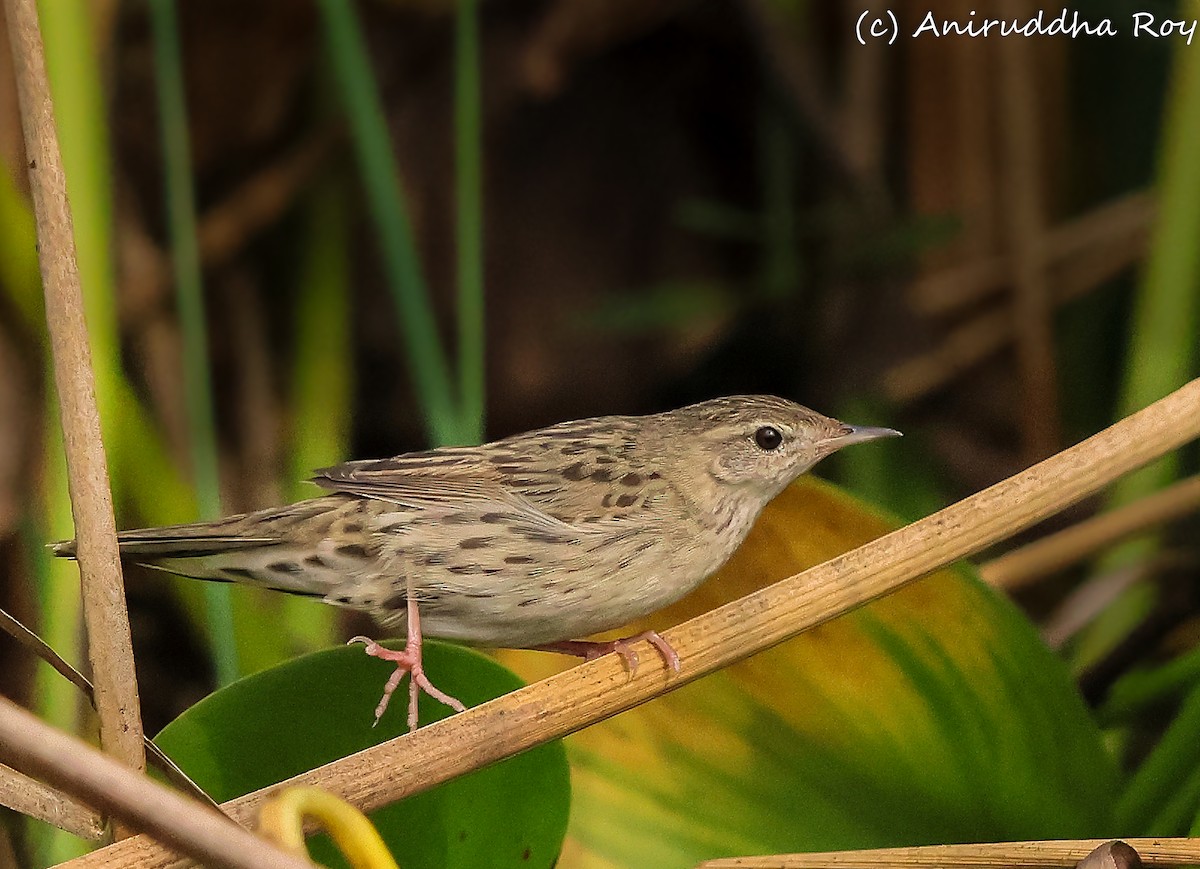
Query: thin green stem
x=468 y=154
x=181 y=217
x=1163 y=773
x=1178 y=811
x=322 y=390
x=1134 y=693
x=1162 y=352
x=385 y=200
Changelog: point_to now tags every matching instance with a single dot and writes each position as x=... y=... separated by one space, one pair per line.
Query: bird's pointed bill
x=858 y=434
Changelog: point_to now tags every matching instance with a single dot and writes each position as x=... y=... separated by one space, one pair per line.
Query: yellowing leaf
x=933 y=715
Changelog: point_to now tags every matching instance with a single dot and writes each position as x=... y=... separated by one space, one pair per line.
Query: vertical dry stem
x=107 y=622
x=1033 y=302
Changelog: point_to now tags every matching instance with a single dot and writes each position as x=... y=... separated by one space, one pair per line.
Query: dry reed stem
x=599 y=689
x=109 y=649
x=988 y=333
x=1032 y=302
x=69 y=763
x=30 y=797
x=797 y=77
x=36 y=645
x=225 y=229
x=1154 y=852
x=1126 y=218
x=1084 y=539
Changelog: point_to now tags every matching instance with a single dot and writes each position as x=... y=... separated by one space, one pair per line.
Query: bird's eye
x=768 y=438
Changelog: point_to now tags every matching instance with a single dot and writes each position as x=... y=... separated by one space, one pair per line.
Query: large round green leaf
x=317 y=708
x=933 y=715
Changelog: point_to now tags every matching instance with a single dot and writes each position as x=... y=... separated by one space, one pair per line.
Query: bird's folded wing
x=465 y=484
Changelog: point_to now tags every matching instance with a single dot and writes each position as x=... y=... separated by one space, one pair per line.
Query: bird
x=535 y=541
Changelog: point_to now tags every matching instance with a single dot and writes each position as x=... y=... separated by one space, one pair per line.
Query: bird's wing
x=440 y=481
x=590 y=490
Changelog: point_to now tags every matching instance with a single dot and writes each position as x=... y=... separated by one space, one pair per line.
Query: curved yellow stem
x=282 y=820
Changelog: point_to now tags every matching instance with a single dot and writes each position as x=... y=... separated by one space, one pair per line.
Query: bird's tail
x=281 y=548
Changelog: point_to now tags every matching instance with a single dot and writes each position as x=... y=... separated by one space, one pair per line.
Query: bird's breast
x=569 y=590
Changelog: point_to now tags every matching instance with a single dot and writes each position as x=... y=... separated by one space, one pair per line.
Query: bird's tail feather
x=237 y=549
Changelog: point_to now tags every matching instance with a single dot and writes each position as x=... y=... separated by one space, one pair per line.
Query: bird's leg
x=590 y=650
x=408 y=662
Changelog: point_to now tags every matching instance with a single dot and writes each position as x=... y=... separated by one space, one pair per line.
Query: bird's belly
x=565 y=603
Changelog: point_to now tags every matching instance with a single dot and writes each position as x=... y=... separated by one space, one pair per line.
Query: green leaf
x=317 y=708
x=933 y=715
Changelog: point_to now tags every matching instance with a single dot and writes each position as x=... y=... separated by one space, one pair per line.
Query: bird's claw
x=408 y=663
x=591 y=650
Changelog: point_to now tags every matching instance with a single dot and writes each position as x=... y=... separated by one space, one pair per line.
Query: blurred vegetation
x=310 y=232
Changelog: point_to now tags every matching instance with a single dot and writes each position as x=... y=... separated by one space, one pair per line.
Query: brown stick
x=1071 y=545
x=988 y=333
x=1064 y=853
x=109 y=648
x=40 y=750
x=600 y=689
x=1032 y=303
x=1127 y=218
x=30 y=797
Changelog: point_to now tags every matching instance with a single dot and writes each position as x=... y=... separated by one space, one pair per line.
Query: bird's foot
x=590 y=650
x=408 y=662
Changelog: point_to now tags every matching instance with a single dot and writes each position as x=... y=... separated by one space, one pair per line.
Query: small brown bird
x=528 y=542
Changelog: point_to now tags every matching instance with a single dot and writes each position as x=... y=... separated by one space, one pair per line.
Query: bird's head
x=762 y=443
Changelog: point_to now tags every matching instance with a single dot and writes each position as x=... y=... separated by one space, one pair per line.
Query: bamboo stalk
x=68 y=763
x=1067 y=852
x=1072 y=545
x=599 y=689
x=109 y=648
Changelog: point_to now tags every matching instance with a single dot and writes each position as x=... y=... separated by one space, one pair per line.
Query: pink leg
x=408 y=662
x=590 y=650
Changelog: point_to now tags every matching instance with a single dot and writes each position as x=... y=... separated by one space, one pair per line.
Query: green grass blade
x=181 y=218
x=1162 y=351
x=322 y=394
x=468 y=152
x=1138 y=692
x=1150 y=795
x=19 y=278
x=1161 y=355
x=385 y=199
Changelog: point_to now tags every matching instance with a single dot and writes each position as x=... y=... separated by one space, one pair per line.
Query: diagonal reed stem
x=385 y=199
x=37 y=749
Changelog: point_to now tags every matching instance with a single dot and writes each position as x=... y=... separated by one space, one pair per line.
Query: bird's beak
x=856 y=434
